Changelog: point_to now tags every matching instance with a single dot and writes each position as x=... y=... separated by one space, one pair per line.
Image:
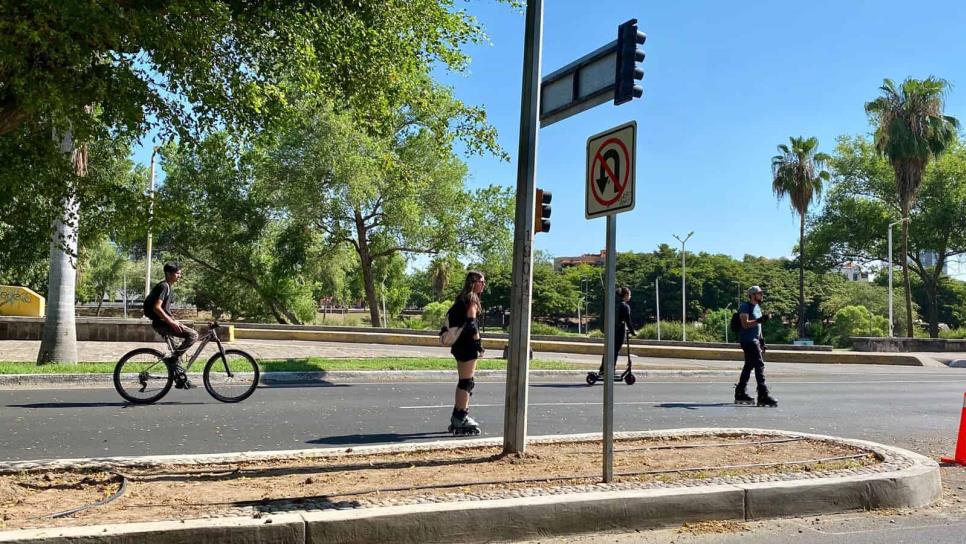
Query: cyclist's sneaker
x=183 y=384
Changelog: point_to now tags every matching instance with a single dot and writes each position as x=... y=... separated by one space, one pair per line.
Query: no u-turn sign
x=610 y=173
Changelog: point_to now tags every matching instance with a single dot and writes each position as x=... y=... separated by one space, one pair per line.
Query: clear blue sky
x=725 y=82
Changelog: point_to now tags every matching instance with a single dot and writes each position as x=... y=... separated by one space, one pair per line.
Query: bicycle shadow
x=120 y=404
x=360 y=439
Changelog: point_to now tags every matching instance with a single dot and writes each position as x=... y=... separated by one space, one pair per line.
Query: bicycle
x=145 y=375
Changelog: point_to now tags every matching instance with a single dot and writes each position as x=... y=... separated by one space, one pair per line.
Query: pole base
x=951 y=461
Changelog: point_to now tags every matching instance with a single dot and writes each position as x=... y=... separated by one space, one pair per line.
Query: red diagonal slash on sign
x=619 y=185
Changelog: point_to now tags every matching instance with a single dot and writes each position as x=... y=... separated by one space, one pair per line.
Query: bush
x=434 y=313
x=671 y=330
x=857 y=321
x=953 y=334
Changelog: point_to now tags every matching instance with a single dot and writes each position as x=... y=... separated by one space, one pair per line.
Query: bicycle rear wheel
x=142 y=377
x=232 y=378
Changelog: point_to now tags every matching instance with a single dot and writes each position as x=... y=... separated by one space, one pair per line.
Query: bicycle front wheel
x=232 y=378
x=142 y=377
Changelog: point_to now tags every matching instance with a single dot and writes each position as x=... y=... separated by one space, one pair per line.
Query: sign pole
x=515 y=416
x=609 y=325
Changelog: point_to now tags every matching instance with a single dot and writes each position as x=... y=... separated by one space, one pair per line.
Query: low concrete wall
x=98 y=329
x=489 y=333
x=894 y=345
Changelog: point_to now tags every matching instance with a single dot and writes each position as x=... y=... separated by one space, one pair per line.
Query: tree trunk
x=801 y=278
x=59 y=340
x=905 y=269
x=365 y=260
x=100 y=302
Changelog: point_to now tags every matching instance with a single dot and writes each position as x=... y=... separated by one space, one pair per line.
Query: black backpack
x=735 y=324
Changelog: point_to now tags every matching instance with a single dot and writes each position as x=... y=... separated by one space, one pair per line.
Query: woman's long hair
x=467 y=296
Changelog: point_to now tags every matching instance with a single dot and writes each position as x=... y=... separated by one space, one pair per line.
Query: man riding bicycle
x=157 y=308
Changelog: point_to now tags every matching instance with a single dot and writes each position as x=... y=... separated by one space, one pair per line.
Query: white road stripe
x=475 y=405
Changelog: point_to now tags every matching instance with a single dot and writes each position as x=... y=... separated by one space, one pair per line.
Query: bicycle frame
x=203 y=341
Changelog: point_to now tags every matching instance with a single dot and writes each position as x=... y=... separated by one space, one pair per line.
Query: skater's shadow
x=376 y=438
x=698 y=405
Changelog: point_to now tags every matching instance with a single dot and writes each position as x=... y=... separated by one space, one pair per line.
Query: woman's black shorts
x=464 y=351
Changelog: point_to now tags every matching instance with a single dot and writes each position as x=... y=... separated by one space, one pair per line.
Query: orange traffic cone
x=960 y=458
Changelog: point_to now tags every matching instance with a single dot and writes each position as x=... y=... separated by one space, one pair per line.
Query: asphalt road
x=918 y=410
x=913 y=408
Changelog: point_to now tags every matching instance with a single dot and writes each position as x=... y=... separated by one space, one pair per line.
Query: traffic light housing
x=628 y=57
x=541 y=216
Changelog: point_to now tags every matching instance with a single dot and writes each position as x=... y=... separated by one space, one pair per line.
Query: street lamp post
x=147 y=273
x=904 y=220
x=726 y=323
x=657 y=306
x=684 y=328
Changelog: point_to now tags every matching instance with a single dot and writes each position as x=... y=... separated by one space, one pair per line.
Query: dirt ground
x=353 y=481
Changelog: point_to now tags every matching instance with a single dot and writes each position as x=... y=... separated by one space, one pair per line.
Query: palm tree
x=798 y=172
x=910 y=130
x=439 y=276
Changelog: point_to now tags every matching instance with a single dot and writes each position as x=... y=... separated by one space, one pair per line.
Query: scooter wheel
x=630 y=379
x=591 y=378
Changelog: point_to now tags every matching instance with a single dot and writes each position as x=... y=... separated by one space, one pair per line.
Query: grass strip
x=309 y=364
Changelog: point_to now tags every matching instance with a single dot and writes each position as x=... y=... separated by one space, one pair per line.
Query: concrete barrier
x=586 y=348
x=100 y=330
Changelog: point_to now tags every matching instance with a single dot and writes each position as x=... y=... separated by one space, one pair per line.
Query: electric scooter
x=627 y=376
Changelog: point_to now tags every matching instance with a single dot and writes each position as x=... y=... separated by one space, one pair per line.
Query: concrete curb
x=914 y=484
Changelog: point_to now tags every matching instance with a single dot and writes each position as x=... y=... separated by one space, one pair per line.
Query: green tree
x=798 y=172
x=386 y=196
x=910 y=130
x=102 y=268
x=863 y=199
x=85 y=70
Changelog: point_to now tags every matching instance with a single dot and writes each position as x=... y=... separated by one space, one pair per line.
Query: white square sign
x=610 y=173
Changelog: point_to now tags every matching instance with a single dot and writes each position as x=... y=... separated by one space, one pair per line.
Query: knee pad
x=466 y=385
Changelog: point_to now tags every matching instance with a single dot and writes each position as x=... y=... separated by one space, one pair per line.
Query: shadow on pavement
x=697 y=405
x=120 y=404
x=376 y=438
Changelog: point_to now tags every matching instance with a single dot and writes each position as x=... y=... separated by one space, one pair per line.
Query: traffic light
x=541 y=216
x=628 y=57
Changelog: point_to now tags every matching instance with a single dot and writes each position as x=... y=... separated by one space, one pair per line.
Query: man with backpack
x=750 y=320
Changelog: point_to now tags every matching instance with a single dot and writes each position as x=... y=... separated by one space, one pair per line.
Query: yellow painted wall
x=20 y=301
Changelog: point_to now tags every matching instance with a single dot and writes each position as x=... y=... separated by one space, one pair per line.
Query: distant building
x=853 y=272
x=929 y=260
x=593 y=259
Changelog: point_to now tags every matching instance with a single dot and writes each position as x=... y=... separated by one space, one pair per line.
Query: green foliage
x=435 y=312
x=716 y=322
x=101 y=271
x=671 y=330
x=959 y=333
x=853 y=321
x=864 y=199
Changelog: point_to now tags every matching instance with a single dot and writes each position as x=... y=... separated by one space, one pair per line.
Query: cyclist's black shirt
x=160 y=291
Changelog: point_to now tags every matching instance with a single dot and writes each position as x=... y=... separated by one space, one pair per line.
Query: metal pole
x=657 y=305
x=891 y=334
x=578 y=316
x=684 y=313
x=890 y=282
x=147 y=273
x=610 y=304
x=125 y=293
x=515 y=416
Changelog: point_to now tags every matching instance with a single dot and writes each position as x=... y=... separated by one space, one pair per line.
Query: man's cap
x=755 y=289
